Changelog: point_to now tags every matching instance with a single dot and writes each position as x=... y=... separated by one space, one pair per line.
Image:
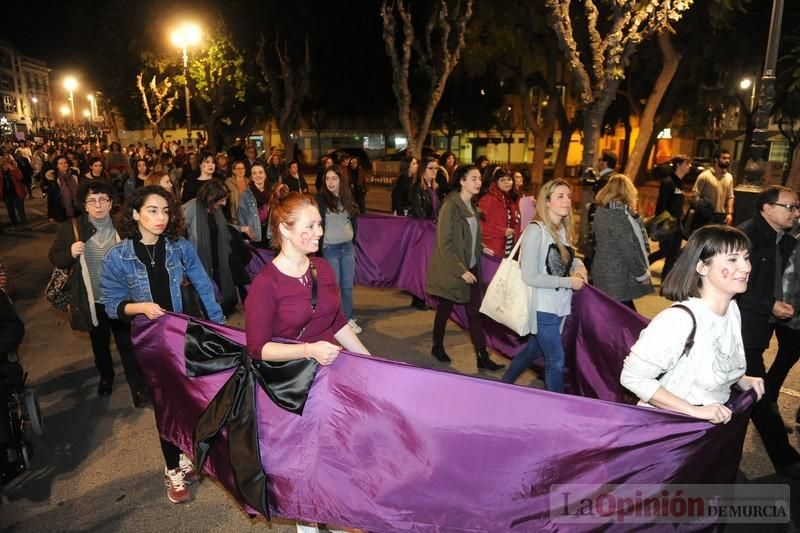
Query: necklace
x=151 y=256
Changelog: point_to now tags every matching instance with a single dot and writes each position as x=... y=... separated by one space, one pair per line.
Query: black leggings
x=473 y=315
x=172 y=454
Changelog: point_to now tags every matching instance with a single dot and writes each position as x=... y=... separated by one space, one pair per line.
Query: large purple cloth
x=386 y=446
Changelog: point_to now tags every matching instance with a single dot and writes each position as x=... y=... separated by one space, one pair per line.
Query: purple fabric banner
x=385 y=446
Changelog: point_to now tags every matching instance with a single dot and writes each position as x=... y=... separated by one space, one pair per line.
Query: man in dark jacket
x=762 y=308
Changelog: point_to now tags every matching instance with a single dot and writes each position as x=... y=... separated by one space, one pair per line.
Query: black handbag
x=191 y=301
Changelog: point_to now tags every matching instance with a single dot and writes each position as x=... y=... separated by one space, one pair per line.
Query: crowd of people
x=150 y=231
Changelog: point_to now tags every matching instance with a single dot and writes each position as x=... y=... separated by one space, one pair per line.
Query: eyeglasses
x=97 y=201
x=790 y=207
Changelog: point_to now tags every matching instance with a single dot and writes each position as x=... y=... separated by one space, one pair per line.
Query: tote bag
x=506 y=299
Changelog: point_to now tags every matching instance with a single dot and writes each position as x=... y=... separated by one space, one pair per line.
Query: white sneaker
x=355 y=327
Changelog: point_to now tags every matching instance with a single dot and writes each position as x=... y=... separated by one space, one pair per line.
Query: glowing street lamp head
x=64 y=110
x=745 y=84
x=70 y=83
x=187 y=34
x=90 y=97
x=87 y=113
x=35 y=100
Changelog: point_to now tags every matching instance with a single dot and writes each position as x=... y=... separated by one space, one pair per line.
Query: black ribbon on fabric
x=234 y=407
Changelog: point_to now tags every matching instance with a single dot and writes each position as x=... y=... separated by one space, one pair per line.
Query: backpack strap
x=687 y=347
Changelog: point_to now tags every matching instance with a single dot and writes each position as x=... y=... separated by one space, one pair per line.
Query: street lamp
x=748 y=83
x=64 y=110
x=35 y=101
x=756 y=166
x=186 y=35
x=70 y=84
x=92 y=106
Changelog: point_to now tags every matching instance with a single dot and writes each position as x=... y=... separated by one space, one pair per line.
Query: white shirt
x=706 y=374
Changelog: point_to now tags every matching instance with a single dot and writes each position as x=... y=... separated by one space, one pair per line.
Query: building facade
x=25 y=98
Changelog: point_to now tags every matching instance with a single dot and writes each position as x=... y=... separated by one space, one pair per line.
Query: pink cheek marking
x=725 y=273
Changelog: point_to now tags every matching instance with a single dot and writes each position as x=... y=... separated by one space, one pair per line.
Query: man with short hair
x=763 y=308
x=714 y=187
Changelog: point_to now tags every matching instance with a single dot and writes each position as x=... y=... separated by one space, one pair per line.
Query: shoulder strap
x=687 y=347
x=75 y=229
x=313 y=269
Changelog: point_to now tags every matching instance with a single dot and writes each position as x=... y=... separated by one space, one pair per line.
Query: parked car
x=360 y=153
x=399 y=156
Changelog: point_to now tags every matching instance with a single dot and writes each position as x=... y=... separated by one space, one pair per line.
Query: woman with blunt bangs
x=500 y=218
x=142 y=275
x=666 y=371
x=621 y=268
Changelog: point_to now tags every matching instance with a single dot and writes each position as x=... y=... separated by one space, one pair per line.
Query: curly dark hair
x=128 y=228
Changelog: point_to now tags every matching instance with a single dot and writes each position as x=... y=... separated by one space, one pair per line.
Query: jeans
x=547 y=343
x=342 y=258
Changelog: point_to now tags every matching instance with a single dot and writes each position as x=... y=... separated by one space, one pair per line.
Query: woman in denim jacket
x=142 y=274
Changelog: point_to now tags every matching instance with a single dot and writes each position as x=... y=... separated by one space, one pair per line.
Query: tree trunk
x=592 y=122
x=537 y=165
x=647 y=119
x=288 y=142
x=623 y=156
x=560 y=168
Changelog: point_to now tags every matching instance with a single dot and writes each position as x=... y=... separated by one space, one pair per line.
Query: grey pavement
x=98 y=467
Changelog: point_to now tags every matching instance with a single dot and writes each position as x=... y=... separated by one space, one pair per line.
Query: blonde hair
x=541 y=215
x=619 y=188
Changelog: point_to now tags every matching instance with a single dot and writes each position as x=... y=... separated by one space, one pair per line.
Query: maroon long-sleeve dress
x=279 y=306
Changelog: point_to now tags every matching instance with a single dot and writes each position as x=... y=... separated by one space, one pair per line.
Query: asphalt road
x=98 y=466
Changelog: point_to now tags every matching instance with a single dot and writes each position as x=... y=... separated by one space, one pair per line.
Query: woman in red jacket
x=500 y=219
x=13 y=191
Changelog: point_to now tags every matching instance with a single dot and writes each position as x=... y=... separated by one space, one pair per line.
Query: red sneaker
x=177 y=491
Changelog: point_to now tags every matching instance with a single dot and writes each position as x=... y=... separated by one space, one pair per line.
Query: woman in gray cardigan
x=620 y=267
x=454 y=269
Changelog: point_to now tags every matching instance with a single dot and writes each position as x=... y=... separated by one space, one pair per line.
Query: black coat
x=60 y=256
x=756 y=303
x=421 y=205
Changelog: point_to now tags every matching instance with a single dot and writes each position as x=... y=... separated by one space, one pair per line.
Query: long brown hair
x=345 y=194
x=542 y=216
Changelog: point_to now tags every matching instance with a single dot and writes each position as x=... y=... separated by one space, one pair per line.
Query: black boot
x=438 y=352
x=485 y=363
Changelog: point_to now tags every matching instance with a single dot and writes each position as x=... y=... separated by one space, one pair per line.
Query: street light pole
x=756 y=165
x=186 y=94
x=184 y=36
x=70 y=84
x=35 y=101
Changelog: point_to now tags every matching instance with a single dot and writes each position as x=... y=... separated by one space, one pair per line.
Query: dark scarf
x=204 y=251
x=261 y=196
x=69 y=193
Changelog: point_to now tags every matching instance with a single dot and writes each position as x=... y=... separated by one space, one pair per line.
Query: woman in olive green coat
x=454 y=269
